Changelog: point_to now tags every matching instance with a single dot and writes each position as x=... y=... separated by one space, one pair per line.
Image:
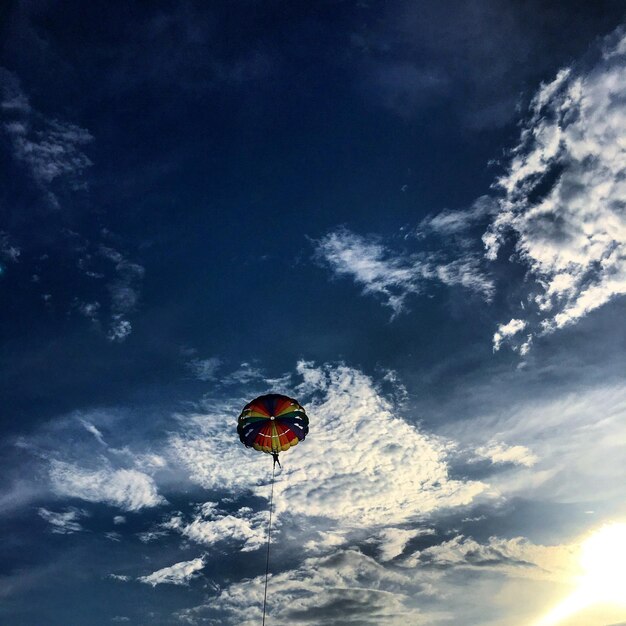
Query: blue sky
x=410 y=216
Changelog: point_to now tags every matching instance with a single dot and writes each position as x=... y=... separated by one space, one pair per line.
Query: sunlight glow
x=603 y=561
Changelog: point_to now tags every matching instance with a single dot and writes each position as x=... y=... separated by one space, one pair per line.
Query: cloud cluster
x=564 y=192
x=395 y=275
x=345 y=586
x=506 y=331
x=365 y=463
x=210 y=526
x=342 y=588
x=52 y=151
x=561 y=204
x=128 y=489
x=367 y=483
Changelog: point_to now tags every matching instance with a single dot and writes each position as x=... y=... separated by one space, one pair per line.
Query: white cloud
x=124 y=288
x=124 y=291
x=50 y=148
x=210 y=526
x=324 y=587
x=8 y=250
x=177 y=574
x=113 y=536
x=244 y=374
x=506 y=331
x=394 y=276
x=204 y=369
x=120 y=577
x=119 y=329
x=393 y=541
x=498 y=452
x=12 y=98
x=52 y=152
x=128 y=489
x=89 y=310
x=362 y=465
x=518 y=557
x=63 y=523
x=119 y=519
x=565 y=192
x=448 y=222
x=151 y=535
x=577 y=443
x=342 y=582
x=371 y=265
x=94 y=431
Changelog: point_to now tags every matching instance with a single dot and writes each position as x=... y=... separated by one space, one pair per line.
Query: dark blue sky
x=344 y=201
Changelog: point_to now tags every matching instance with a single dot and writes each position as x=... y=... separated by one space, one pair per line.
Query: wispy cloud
x=458 y=222
x=204 y=369
x=124 y=292
x=65 y=522
x=8 y=250
x=177 y=574
x=52 y=152
x=565 y=192
x=568 y=449
x=128 y=489
x=396 y=275
x=90 y=428
x=123 y=287
x=49 y=148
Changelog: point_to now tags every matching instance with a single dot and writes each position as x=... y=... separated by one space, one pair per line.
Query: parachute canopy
x=272 y=423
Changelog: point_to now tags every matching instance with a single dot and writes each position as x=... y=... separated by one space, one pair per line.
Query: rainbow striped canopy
x=272 y=423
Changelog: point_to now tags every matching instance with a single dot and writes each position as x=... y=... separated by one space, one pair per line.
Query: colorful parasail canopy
x=272 y=423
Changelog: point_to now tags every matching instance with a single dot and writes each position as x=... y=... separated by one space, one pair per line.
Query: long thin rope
x=269 y=536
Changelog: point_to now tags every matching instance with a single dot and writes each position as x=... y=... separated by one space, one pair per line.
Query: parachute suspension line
x=269 y=537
